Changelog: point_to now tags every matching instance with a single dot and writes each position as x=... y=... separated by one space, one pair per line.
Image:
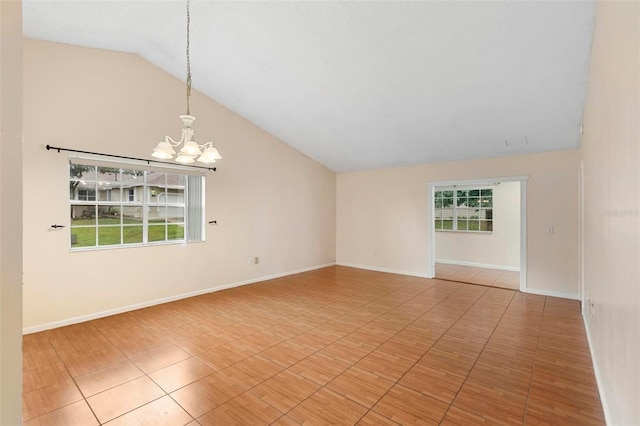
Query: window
x=86 y=195
x=468 y=210
x=113 y=206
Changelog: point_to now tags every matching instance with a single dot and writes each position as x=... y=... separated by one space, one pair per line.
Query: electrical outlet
x=256 y=260
x=592 y=309
x=550 y=229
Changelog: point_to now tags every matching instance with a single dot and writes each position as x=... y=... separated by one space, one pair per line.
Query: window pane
x=131 y=186
x=157 y=183
x=447 y=202
x=175 y=181
x=108 y=215
x=473 y=202
x=131 y=214
x=447 y=224
x=157 y=233
x=486 y=225
x=84 y=237
x=473 y=225
x=486 y=202
x=109 y=235
x=81 y=177
x=463 y=225
x=132 y=234
x=157 y=214
x=175 y=214
x=438 y=224
x=447 y=214
x=474 y=193
x=83 y=215
x=486 y=192
x=175 y=232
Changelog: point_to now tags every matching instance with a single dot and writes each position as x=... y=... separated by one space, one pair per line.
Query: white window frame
x=455 y=209
x=197 y=235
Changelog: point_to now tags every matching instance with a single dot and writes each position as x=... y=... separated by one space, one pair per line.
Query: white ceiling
x=363 y=85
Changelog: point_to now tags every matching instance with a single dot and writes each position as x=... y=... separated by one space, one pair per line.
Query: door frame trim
x=431 y=240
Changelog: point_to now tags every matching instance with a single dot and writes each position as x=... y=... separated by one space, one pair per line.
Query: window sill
x=463 y=231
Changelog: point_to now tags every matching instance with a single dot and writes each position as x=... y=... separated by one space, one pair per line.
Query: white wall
x=383 y=215
x=500 y=248
x=611 y=151
x=11 y=213
x=269 y=200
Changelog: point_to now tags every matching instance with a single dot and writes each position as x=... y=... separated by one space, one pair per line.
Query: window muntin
x=467 y=210
x=122 y=207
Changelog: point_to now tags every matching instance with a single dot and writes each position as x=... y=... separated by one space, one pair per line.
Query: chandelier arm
x=172 y=141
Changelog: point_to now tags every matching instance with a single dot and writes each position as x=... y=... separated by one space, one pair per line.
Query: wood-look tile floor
x=474 y=275
x=332 y=346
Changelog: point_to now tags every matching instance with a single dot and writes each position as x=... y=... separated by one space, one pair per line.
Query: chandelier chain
x=188 y=60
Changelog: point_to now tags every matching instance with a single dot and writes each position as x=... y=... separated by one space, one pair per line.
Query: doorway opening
x=478 y=231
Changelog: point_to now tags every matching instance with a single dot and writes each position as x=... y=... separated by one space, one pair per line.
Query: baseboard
x=596 y=371
x=102 y=314
x=551 y=293
x=387 y=270
x=478 y=265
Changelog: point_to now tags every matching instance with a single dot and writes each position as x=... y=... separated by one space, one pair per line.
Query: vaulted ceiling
x=363 y=85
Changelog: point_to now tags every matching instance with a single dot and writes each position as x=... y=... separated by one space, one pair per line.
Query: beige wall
x=383 y=215
x=500 y=248
x=11 y=213
x=611 y=150
x=269 y=200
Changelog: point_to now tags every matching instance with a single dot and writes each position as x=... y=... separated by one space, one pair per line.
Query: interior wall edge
x=599 y=382
x=551 y=293
x=387 y=270
x=478 y=265
x=123 y=309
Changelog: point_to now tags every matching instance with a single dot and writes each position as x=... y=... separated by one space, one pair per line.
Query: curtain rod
x=56 y=148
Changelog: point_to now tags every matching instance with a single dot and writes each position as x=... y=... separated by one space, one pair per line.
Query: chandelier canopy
x=205 y=153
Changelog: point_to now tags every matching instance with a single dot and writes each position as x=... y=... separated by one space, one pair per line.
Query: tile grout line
x=397 y=382
x=479 y=355
x=312 y=328
x=535 y=357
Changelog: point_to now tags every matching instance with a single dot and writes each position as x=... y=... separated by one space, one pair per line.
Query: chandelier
x=205 y=153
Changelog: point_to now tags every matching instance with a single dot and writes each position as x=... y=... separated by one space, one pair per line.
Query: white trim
x=431 y=262
x=599 y=381
x=523 y=235
x=89 y=317
x=387 y=270
x=551 y=293
x=101 y=161
x=480 y=181
x=478 y=265
x=583 y=297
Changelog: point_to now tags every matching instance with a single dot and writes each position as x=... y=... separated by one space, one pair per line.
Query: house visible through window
x=120 y=206
x=468 y=210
